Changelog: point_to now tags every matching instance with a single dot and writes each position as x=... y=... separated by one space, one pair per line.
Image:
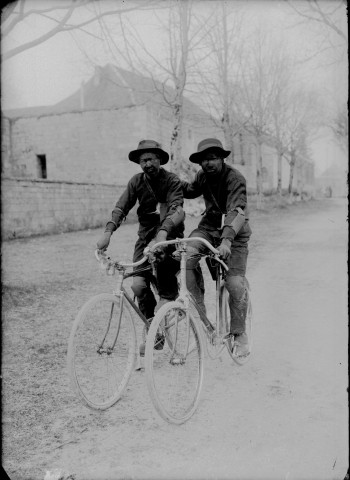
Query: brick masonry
x=31 y=207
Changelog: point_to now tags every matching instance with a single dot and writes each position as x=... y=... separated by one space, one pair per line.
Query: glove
x=103 y=242
x=225 y=249
x=159 y=254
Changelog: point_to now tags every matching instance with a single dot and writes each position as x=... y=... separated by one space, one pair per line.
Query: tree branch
x=43 y=38
x=62 y=25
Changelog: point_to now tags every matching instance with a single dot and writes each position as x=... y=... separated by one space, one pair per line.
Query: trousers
x=235 y=282
x=166 y=280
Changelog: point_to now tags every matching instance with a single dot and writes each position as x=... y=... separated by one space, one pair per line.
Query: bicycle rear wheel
x=174 y=373
x=101 y=351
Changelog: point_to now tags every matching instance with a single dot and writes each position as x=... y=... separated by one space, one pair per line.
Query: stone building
x=63 y=166
x=87 y=136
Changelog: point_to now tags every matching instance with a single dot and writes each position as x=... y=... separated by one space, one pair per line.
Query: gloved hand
x=103 y=242
x=159 y=253
x=225 y=249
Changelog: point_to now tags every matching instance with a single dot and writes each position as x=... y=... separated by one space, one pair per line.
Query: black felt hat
x=208 y=144
x=149 y=146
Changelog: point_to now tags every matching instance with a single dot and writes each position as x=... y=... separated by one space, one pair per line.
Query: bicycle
x=175 y=373
x=102 y=347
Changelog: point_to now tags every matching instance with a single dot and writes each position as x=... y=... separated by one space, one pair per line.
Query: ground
x=283 y=415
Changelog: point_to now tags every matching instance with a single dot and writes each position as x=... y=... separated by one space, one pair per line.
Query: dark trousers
x=166 y=271
x=235 y=280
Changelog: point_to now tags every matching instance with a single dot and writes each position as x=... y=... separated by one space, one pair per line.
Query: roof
x=112 y=88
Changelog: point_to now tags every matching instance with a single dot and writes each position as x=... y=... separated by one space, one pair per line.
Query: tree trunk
x=279 y=172
x=228 y=135
x=180 y=83
x=259 y=186
x=176 y=139
x=291 y=173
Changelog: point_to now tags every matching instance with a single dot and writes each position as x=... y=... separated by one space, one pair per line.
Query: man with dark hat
x=154 y=187
x=225 y=225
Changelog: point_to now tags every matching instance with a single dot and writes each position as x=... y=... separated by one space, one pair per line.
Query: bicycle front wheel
x=174 y=363
x=101 y=351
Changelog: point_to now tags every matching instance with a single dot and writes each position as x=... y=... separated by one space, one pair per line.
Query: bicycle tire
x=174 y=374
x=99 y=375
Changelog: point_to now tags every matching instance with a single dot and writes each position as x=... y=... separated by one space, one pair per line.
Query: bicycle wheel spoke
x=174 y=373
x=101 y=351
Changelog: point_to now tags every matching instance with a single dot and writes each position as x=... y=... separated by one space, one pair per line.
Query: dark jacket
x=223 y=197
x=164 y=190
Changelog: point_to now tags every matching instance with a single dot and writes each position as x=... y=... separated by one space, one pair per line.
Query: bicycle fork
x=177 y=357
x=108 y=350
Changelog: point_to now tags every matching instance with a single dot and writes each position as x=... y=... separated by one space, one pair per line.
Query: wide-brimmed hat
x=208 y=144
x=148 y=146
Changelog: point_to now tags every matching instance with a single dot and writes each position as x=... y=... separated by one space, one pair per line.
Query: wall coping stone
x=44 y=180
x=71 y=112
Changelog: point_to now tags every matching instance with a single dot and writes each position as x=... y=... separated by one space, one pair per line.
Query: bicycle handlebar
x=100 y=256
x=110 y=263
x=188 y=240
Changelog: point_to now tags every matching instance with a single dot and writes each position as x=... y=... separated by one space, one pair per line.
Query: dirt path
x=281 y=416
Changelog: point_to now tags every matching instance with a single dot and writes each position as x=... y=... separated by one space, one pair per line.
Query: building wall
x=31 y=207
x=87 y=146
x=160 y=127
x=93 y=146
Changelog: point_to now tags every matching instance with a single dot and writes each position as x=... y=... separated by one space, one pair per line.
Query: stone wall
x=5 y=145
x=31 y=207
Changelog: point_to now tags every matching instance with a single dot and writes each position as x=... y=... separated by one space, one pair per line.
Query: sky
x=48 y=73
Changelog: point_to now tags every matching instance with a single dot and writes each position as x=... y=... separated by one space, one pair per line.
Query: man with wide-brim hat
x=161 y=217
x=208 y=145
x=225 y=225
x=149 y=146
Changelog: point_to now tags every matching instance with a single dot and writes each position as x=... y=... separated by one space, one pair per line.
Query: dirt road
x=281 y=416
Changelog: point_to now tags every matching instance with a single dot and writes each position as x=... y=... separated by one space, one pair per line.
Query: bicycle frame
x=121 y=292
x=214 y=333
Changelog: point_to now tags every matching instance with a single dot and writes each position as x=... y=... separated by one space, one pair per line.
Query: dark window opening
x=42 y=172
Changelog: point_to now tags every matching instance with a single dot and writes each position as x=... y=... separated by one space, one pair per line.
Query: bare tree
x=281 y=106
x=60 y=16
x=255 y=92
x=339 y=125
x=302 y=120
x=183 y=33
x=328 y=21
x=326 y=13
x=224 y=43
x=279 y=134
